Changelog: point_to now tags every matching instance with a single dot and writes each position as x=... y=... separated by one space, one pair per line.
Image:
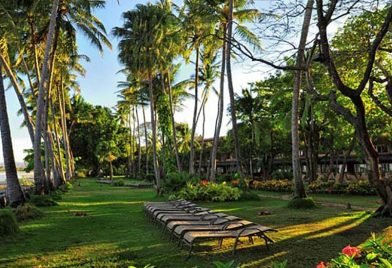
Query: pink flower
x=351 y=251
x=321 y=265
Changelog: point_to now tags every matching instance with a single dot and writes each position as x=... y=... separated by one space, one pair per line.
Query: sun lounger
x=180 y=230
x=192 y=237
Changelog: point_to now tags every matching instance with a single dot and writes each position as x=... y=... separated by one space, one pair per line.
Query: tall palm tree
x=14 y=191
x=142 y=36
x=198 y=28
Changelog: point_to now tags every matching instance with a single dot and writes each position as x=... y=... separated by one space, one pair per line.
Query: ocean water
x=21 y=174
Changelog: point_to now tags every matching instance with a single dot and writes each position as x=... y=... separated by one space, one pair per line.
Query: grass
x=115 y=233
x=369 y=201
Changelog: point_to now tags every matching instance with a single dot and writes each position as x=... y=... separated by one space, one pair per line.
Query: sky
x=99 y=86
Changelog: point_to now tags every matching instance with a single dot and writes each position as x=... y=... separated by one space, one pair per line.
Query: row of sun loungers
x=190 y=224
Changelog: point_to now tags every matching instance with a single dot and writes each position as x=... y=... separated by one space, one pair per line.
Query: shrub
x=249 y=196
x=281 y=175
x=118 y=183
x=208 y=192
x=302 y=203
x=27 y=212
x=56 y=195
x=361 y=187
x=66 y=187
x=375 y=252
x=274 y=185
x=150 y=177
x=26 y=182
x=42 y=200
x=82 y=173
x=8 y=223
x=175 y=181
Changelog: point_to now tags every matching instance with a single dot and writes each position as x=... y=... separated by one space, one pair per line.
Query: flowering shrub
x=273 y=185
x=376 y=252
x=208 y=192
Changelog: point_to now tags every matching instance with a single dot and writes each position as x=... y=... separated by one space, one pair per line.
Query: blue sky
x=99 y=86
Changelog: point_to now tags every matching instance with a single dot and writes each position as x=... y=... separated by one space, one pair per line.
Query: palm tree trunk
x=146 y=137
x=134 y=143
x=14 y=191
x=220 y=110
x=58 y=147
x=38 y=176
x=202 y=137
x=178 y=160
x=237 y=149
x=19 y=95
x=154 y=136
x=194 y=123
x=139 y=156
x=299 y=188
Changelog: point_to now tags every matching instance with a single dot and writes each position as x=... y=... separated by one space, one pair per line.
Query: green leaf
x=387 y=263
x=371 y=256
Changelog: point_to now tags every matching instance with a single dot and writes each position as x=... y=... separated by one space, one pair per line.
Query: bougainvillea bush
x=376 y=252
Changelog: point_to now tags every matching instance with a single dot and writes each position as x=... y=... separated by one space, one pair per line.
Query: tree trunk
x=233 y=109
x=21 y=100
x=14 y=191
x=220 y=110
x=154 y=136
x=111 y=170
x=344 y=165
x=139 y=156
x=146 y=137
x=58 y=147
x=38 y=176
x=299 y=188
x=202 y=147
x=171 y=108
x=194 y=122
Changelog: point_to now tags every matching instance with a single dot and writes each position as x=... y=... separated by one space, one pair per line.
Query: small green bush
x=302 y=203
x=249 y=196
x=118 y=183
x=361 y=187
x=150 y=177
x=8 y=223
x=56 y=195
x=27 y=212
x=230 y=264
x=66 y=187
x=42 y=200
x=82 y=173
x=176 y=181
x=208 y=192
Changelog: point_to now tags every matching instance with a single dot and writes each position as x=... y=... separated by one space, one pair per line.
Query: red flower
x=351 y=251
x=321 y=265
x=203 y=182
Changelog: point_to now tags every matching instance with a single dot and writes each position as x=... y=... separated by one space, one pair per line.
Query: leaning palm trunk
x=19 y=94
x=194 y=122
x=299 y=189
x=59 y=157
x=38 y=174
x=178 y=160
x=220 y=111
x=14 y=191
x=154 y=136
x=237 y=149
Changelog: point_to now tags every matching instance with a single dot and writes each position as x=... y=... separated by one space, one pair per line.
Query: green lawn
x=370 y=201
x=115 y=233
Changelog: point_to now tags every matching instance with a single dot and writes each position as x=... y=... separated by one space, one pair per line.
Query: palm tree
x=141 y=40
x=14 y=191
x=198 y=28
